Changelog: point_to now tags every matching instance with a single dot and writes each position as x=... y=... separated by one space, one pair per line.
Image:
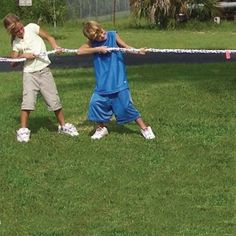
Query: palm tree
x=159 y=12
x=165 y=12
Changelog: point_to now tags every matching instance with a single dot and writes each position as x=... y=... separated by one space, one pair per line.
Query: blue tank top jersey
x=110 y=72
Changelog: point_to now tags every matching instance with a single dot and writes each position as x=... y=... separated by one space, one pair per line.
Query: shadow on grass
x=156 y=73
x=41 y=122
x=211 y=77
x=72 y=73
x=77 y=79
x=112 y=128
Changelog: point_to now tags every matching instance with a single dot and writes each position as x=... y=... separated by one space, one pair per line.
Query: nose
x=103 y=35
x=21 y=31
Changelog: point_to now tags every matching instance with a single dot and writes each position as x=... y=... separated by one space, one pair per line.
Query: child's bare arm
x=87 y=49
x=121 y=43
x=45 y=35
x=15 y=54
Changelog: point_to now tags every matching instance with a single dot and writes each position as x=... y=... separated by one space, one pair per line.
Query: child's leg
x=100 y=125
x=23 y=134
x=145 y=130
x=126 y=112
x=101 y=131
x=24 y=117
x=141 y=123
x=30 y=91
x=60 y=117
x=99 y=111
x=49 y=92
x=65 y=128
x=124 y=109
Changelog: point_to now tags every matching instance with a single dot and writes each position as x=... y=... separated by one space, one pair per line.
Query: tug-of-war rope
x=227 y=53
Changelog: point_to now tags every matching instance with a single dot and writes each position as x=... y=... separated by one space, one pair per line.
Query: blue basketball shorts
x=102 y=107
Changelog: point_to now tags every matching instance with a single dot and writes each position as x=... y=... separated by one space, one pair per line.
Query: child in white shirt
x=27 y=42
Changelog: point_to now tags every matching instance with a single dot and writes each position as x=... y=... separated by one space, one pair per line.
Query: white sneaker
x=147 y=133
x=68 y=129
x=23 y=135
x=100 y=132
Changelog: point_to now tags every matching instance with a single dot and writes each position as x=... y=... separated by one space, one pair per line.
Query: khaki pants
x=40 y=81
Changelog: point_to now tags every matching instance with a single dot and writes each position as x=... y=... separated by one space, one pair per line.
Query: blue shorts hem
x=127 y=121
x=98 y=121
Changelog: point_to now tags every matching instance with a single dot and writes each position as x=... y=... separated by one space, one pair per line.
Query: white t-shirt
x=32 y=43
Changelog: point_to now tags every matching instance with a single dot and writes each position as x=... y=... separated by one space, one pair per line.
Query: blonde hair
x=92 y=29
x=10 y=22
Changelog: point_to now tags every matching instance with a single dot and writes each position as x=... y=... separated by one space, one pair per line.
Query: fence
x=95 y=8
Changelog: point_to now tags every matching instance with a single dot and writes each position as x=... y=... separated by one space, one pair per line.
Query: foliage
x=201 y=10
x=8 y=6
x=167 y=13
x=160 y=13
x=41 y=10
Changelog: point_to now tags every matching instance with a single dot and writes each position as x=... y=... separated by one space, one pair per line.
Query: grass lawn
x=182 y=183
x=204 y=37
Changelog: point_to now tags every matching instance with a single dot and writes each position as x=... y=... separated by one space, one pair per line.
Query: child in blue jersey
x=111 y=95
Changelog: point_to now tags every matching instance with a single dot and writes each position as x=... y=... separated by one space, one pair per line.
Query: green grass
x=212 y=37
x=182 y=183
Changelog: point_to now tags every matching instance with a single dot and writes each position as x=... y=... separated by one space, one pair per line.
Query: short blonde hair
x=92 y=29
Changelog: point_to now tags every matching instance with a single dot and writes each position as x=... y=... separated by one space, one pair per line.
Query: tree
x=45 y=10
x=164 y=13
x=51 y=11
x=159 y=12
x=6 y=7
x=202 y=9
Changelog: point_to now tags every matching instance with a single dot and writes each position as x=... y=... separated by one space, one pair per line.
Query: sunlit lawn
x=204 y=37
x=181 y=183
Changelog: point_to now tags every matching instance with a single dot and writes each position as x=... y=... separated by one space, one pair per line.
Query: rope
x=40 y=55
x=5 y=59
x=180 y=51
x=131 y=50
